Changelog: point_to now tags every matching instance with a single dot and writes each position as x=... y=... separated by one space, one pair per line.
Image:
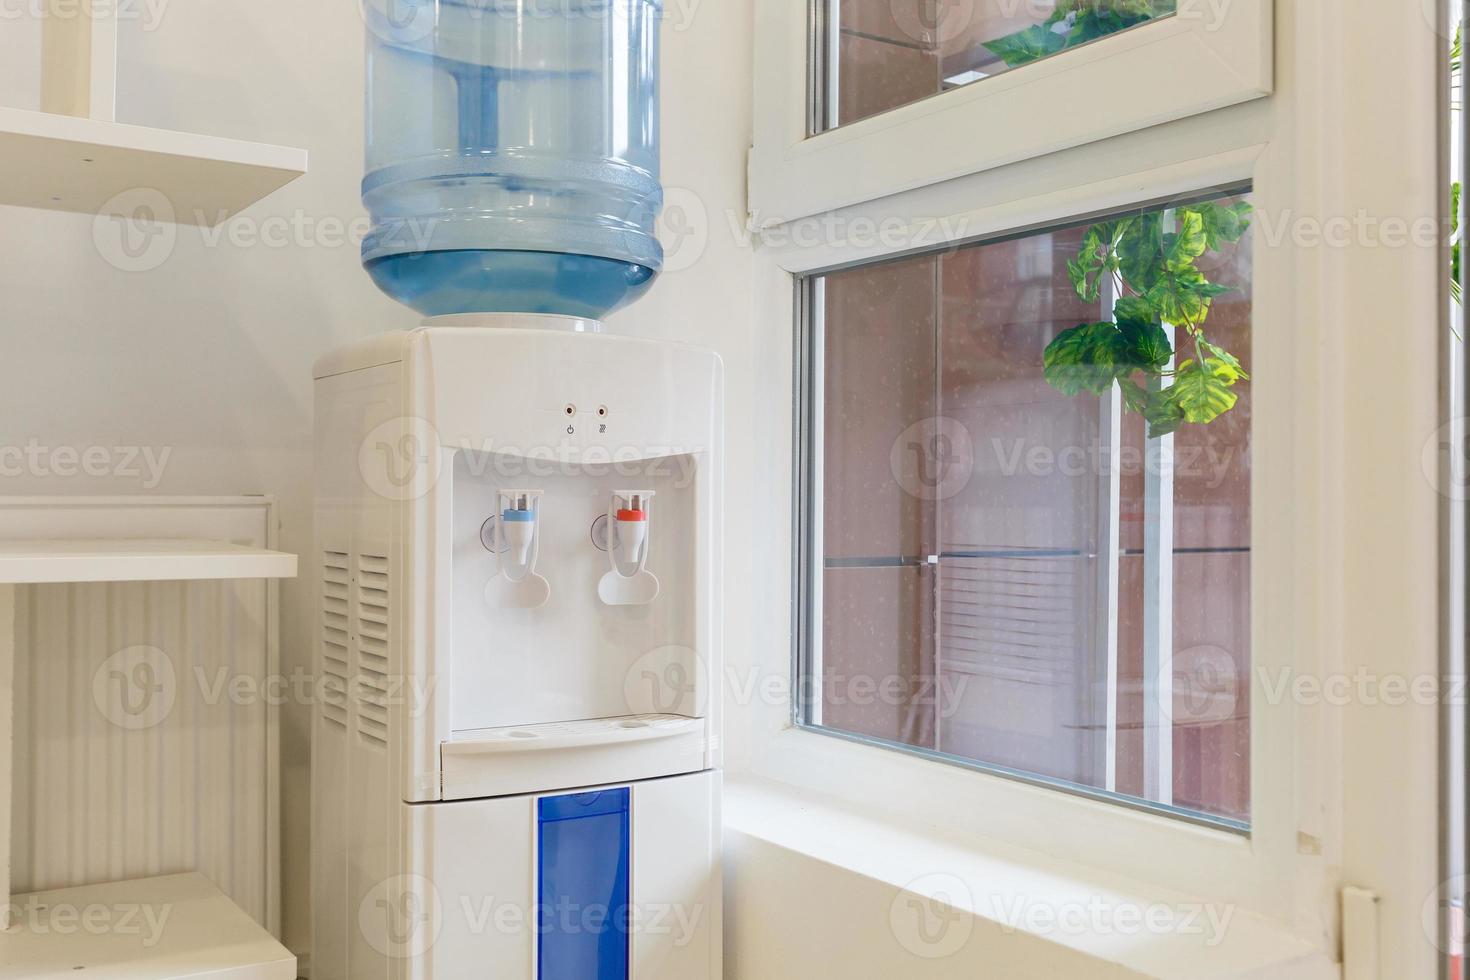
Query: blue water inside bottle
x=513 y=154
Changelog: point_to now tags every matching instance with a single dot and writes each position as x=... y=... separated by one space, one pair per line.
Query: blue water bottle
x=512 y=154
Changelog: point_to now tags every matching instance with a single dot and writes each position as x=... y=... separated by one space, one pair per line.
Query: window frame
x=1262 y=870
x=807 y=523
x=1347 y=535
x=1214 y=65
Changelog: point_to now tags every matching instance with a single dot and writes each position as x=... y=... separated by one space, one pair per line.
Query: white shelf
x=178 y=927
x=33 y=561
x=69 y=163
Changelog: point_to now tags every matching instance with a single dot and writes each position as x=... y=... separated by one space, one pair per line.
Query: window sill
x=1105 y=918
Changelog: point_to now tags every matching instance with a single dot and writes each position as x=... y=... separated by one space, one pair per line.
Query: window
x=846 y=90
x=1025 y=506
x=884 y=55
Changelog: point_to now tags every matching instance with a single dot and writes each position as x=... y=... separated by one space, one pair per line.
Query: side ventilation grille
x=372 y=597
x=335 y=638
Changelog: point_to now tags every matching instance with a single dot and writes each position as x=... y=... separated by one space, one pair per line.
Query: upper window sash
x=1210 y=54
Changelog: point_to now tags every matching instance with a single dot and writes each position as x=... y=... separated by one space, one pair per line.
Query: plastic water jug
x=512 y=154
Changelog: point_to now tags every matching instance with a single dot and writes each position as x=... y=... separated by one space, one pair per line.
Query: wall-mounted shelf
x=34 y=561
x=179 y=927
x=75 y=156
x=70 y=163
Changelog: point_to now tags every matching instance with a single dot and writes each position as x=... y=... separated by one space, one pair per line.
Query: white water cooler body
x=516 y=739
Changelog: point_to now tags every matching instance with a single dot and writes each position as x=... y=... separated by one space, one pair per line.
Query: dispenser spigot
x=628 y=582
x=632 y=531
x=519 y=521
x=518 y=532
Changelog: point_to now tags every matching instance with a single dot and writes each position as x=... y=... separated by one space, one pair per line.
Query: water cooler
x=516 y=735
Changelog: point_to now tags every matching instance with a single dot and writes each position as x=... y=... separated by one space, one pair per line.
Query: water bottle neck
x=518 y=321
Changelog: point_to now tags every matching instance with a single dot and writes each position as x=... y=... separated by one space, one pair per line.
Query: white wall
x=208 y=356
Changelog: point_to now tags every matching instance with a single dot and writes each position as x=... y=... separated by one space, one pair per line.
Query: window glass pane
x=1009 y=567
x=881 y=54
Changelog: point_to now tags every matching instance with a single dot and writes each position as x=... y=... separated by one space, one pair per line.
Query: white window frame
x=1344 y=542
x=1255 y=870
x=1157 y=556
x=1206 y=56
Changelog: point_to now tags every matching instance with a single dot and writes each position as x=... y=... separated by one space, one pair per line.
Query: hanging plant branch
x=1162 y=283
x=1075 y=22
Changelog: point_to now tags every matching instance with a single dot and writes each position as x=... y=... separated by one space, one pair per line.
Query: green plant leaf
x=1141 y=251
x=1095 y=259
x=1075 y=22
x=1183 y=295
x=1024 y=47
x=1135 y=309
x=1159 y=270
x=1187 y=243
x=1099 y=18
x=1455 y=192
x=1135 y=399
x=1145 y=345
x=1202 y=392
x=1085 y=358
x=1223 y=224
x=1162 y=412
x=1228 y=362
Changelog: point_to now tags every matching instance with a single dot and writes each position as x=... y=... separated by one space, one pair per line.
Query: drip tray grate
x=571 y=734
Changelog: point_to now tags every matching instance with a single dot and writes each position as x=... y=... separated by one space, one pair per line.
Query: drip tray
x=566 y=754
x=570 y=734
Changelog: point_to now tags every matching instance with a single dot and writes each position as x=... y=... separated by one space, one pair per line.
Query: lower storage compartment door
x=619 y=883
x=676 y=878
x=582 y=869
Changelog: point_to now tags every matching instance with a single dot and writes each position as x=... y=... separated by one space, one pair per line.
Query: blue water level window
x=582 y=886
